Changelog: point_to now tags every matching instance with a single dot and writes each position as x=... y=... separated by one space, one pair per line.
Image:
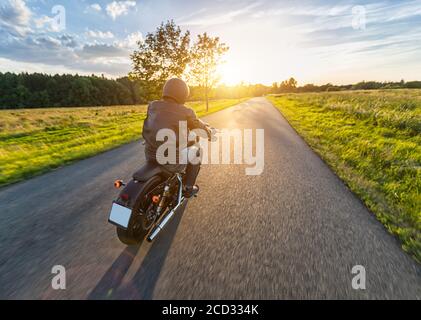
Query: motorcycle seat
x=150 y=169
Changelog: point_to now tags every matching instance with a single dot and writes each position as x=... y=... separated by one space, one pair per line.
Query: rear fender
x=130 y=193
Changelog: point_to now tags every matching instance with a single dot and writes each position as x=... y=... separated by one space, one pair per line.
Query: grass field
x=372 y=139
x=33 y=141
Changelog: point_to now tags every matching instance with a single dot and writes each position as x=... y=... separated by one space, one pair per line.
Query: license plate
x=120 y=215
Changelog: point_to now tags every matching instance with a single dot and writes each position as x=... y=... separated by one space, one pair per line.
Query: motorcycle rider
x=167 y=114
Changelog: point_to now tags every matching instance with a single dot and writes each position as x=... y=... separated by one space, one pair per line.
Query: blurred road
x=295 y=231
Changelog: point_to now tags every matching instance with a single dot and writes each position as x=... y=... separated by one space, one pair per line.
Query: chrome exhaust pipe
x=157 y=229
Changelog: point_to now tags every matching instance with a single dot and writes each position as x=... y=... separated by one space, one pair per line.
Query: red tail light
x=124 y=196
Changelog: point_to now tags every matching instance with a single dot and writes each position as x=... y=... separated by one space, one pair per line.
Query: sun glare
x=230 y=75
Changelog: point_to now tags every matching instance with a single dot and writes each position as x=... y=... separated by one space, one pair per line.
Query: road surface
x=293 y=232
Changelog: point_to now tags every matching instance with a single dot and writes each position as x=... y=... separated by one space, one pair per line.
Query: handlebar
x=212 y=133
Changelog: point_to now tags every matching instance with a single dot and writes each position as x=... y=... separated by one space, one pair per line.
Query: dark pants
x=192 y=171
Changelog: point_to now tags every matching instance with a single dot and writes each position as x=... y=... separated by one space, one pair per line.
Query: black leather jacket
x=165 y=114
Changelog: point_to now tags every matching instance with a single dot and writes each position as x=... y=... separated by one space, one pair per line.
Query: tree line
x=38 y=90
x=290 y=86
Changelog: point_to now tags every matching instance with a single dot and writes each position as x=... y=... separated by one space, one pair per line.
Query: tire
x=138 y=228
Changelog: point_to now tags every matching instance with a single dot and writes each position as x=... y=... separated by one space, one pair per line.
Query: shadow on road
x=106 y=287
x=143 y=283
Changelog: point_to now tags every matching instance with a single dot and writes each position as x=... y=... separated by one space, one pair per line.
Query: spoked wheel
x=142 y=218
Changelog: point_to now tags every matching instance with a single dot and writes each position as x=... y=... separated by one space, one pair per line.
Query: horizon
x=220 y=84
x=317 y=42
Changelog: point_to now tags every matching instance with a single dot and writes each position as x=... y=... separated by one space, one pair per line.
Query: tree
x=274 y=87
x=289 y=85
x=206 y=55
x=292 y=83
x=163 y=54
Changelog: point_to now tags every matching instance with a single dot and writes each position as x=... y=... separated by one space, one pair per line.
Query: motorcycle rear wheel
x=139 y=226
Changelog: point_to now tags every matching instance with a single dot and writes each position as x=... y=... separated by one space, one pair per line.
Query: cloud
x=216 y=19
x=341 y=16
x=130 y=42
x=64 y=53
x=383 y=21
x=100 y=50
x=9 y=65
x=68 y=40
x=15 y=17
x=192 y=14
x=47 y=23
x=39 y=49
x=119 y=8
x=96 y=7
x=40 y=46
x=100 y=34
x=93 y=8
x=381 y=12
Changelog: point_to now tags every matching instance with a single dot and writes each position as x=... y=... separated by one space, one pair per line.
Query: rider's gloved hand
x=211 y=133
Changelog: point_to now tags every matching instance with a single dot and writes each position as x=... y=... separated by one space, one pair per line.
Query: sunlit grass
x=372 y=139
x=33 y=141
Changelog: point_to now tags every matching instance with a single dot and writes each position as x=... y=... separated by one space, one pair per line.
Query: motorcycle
x=149 y=200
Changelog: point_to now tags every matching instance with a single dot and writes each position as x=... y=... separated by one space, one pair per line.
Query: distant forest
x=41 y=90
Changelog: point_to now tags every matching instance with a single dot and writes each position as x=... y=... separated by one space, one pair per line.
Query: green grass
x=34 y=141
x=372 y=140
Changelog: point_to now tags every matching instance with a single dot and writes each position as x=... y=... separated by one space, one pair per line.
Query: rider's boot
x=191 y=191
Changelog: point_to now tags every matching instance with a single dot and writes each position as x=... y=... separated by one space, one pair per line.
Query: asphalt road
x=294 y=231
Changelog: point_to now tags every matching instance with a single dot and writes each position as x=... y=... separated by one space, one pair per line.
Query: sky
x=270 y=40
